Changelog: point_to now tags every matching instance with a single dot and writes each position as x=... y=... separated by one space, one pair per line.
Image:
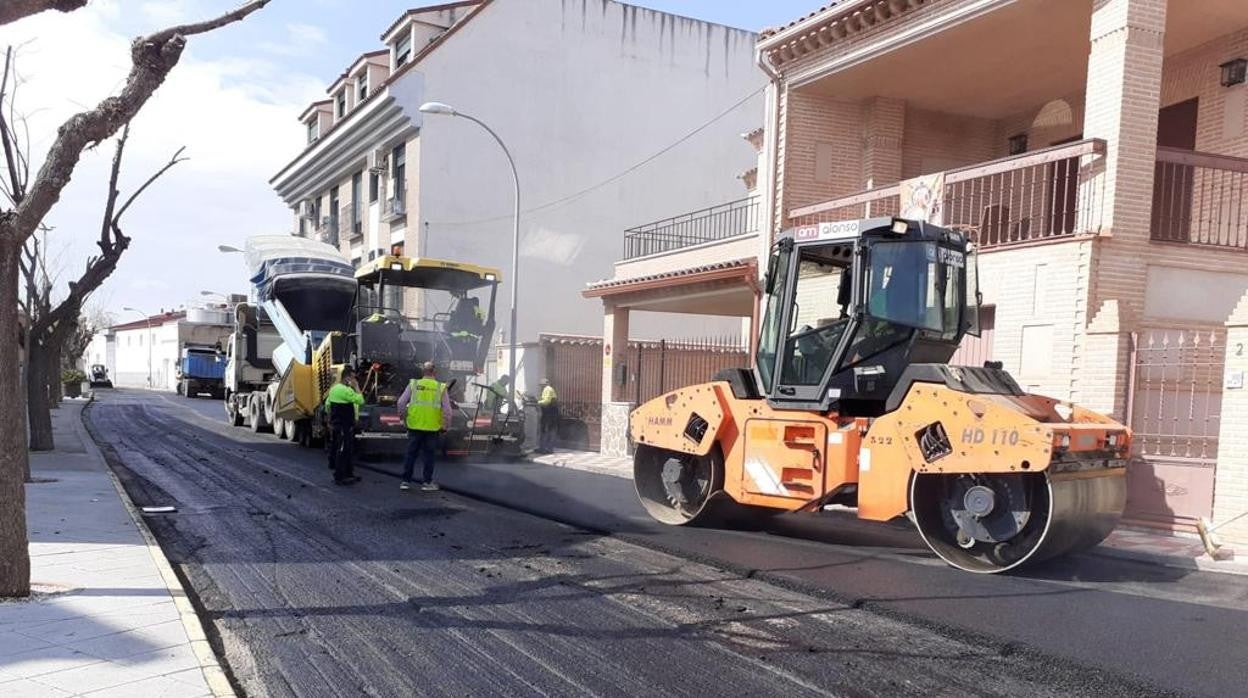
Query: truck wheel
x=255 y=414
x=232 y=413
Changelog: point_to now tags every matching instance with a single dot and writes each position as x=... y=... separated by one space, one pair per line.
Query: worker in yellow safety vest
x=548 y=427
x=342 y=404
x=426 y=408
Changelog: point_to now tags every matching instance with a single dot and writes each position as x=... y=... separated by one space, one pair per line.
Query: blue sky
x=233 y=102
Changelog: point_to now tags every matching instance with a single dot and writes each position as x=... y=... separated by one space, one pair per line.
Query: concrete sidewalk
x=109 y=617
x=1183 y=552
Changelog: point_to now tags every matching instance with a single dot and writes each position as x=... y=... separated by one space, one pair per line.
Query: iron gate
x=1174 y=399
x=648 y=369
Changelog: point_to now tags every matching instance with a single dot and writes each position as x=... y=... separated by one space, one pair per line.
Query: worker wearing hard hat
x=426 y=407
x=343 y=405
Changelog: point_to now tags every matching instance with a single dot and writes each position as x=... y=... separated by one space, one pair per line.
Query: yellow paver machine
x=851 y=402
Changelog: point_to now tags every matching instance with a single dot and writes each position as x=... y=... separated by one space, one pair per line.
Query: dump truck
x=410 y=310
x=302 y=292
x=200 y=371
x=851 y=402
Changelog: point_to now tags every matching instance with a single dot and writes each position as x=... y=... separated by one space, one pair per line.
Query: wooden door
x=1173 y=183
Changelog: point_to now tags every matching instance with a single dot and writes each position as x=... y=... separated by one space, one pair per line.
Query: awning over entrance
x=724 y=288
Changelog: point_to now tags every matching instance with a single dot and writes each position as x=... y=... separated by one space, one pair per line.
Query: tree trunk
x=14 y=460
x=37 y=397
x=56 y=389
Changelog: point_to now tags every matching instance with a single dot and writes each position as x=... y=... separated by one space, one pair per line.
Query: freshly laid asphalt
x=527 y=579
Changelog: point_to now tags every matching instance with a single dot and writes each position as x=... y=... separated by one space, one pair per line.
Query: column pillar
x=1230 y=489
x=614 y=439
x=1122 y=97
x=1105 y=374
x=885 y=128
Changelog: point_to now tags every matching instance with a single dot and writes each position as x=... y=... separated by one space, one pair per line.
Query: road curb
x=1180 y=563
x=214 y=674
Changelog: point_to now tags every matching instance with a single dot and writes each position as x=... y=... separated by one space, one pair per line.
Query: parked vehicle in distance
x=98 y=376
x=201 y=371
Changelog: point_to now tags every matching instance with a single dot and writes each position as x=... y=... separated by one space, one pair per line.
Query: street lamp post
x=150 y=340
x=440 y=109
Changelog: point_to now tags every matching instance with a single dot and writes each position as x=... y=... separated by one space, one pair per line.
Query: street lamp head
x=131 y=310
x=228 y=249
x=438 y=108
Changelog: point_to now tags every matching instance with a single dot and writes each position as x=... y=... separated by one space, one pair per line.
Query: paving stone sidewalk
x=1186 y=552
x=104 y=620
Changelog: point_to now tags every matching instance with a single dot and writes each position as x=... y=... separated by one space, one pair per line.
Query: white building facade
x=615 y=115
x=127 y=350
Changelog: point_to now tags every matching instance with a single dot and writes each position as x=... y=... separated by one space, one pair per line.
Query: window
x=374 y=184
x=403 y=50
x=817 y=321
x=357 y=181
x=316 y=212
x=917 y=285
x=340 y=103
x=399 y=170
x=361 y=87
x=333 y=210
x=769 y=335
x=313 y=131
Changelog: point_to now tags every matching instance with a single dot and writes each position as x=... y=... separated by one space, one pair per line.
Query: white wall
x=580 y=92
x=130 y=369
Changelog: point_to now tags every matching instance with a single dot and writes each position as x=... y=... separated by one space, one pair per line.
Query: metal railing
x=327 y=231
x=1199 y=199
x=395 y=206
x=695 y=228
x=1055 y=192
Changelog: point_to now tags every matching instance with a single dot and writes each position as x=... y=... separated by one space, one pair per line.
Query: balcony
x=1198 y=199
x=707 y=225
x=394 y=207
x=1054 y=193
x=327 y=231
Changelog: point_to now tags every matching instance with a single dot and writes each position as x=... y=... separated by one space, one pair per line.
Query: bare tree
x=51 y=328
x=152 y=57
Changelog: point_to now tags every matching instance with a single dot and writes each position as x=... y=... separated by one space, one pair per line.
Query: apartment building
x=613 y=113
x=1095 y=149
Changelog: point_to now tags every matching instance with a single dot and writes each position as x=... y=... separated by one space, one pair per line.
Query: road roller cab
x=851 y=401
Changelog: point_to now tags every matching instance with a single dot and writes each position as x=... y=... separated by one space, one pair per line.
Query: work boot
x=430 y=487
x=405 y=485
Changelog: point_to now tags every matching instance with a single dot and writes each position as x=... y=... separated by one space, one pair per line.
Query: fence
x=708 y=225
x=1050 y=193
x=1174 y=399
x=649 y=369
x=1198 y=198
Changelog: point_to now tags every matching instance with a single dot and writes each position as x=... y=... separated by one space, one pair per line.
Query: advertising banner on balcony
x=923 y=198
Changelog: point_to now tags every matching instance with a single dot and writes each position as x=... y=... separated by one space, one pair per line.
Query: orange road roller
x=851 y=402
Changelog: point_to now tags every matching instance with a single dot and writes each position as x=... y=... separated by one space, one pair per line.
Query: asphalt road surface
x=533 y=580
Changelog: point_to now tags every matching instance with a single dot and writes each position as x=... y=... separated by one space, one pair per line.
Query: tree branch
x=153 y=58
x=13 y=10
x=112 y=244
x=6 y=133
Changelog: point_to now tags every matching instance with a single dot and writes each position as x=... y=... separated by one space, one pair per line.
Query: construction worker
x=496 y=394
x=426 y=407
x=343 y=405
x=548 y=404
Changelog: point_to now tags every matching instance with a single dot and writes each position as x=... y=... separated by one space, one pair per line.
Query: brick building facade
x=1097 y=150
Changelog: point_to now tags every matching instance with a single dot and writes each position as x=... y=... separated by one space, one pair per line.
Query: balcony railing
x=1200 y=199
x=708 y=225
x=327 y=231
x=1056 y=192
x=394 y=206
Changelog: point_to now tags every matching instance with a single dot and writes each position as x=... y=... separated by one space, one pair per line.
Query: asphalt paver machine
x=411 y=310
x=851 y=402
